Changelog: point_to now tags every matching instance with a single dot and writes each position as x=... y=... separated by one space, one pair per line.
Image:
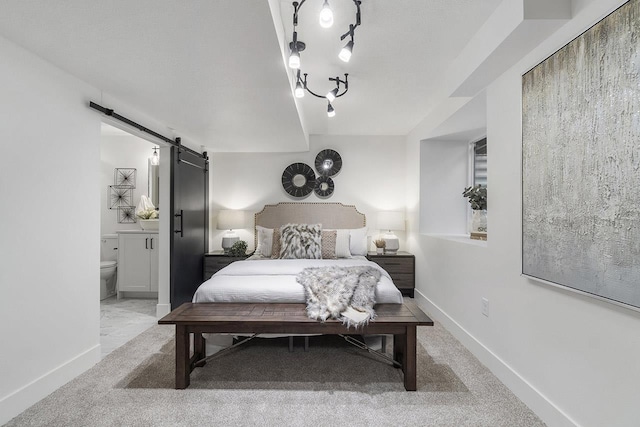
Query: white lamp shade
x=391 y=220
x=232 y=220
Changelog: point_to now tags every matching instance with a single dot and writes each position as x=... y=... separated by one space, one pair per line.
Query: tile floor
x=123 y=319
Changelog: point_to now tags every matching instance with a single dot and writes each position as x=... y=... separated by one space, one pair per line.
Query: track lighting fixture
x=299 y=92
x=296 y=46
x=330 y=111
x=294 y=60
x=326 y=15
x=331 y=96
x=345 y=53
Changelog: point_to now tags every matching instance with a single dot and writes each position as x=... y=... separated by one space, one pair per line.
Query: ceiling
x=214 y=69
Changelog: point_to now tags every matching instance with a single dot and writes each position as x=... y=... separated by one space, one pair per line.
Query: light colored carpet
x=261 y=383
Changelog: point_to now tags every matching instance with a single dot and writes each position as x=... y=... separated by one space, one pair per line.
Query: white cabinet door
x=134 y=273
x=153 y=263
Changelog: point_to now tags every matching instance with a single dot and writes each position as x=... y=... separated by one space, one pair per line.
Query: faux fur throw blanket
x=344 y=293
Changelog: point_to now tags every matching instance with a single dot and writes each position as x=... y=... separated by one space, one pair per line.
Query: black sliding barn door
x=189 y=236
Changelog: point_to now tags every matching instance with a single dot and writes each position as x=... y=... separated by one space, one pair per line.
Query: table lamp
x=389 y=220
x=230 y=220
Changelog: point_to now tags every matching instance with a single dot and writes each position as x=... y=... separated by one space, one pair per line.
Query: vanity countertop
x=137 y=231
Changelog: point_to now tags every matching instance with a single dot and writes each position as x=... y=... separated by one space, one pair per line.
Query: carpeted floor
x=262 y=383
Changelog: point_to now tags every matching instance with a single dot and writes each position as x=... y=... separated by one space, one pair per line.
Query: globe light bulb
x=299 y=92
x=332 y=95
x=155 y=160
x=294 y=60
x=326 y=15
x=330 y=111
x=345 y=53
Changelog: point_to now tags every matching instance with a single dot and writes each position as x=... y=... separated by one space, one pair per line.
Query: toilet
x=108 y=265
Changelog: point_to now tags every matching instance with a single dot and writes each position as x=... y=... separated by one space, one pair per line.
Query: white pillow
x=342 y=243
x=265 y=241
x=358 y=241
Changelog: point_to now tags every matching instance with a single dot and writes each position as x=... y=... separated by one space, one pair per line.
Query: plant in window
x=477 y=196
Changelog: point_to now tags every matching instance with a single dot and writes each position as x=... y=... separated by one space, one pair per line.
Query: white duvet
x=274 y=280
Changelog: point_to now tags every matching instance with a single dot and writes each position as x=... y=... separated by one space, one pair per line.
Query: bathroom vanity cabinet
x=137 y=262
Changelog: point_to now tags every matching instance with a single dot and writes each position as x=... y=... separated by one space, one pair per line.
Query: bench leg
x=199 y=350
x=383 y=346
x=398 y=348
x=290 y=343
x=182 y=357
x=409 y=359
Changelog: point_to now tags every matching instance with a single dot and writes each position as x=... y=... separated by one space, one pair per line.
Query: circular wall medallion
x=324 y=186
x=298 y=179
x=328 y=162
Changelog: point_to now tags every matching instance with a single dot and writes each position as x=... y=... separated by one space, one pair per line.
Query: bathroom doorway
x=130 y=236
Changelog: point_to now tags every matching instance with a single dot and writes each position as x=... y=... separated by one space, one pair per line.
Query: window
x=479 y=162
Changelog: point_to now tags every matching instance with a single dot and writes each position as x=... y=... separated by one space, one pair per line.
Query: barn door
x=189 y=237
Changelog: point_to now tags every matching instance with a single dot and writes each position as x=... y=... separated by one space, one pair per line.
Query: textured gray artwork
x=581 y=162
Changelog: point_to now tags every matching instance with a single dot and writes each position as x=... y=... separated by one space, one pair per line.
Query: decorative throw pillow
x=265 y=241
x=301 y=241
x=342 y=243
x=329 y=244
x=275 y=245
x=358 y=241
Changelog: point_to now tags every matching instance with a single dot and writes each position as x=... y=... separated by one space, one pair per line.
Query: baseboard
x=162 y=310
x=134 y=294
x=533 y=398
x=18 y=401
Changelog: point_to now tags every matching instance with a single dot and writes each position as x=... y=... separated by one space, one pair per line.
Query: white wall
x=571 y=358
x=444 y=170
x=371 y=176
x=122 y=151
x=50 y=226
x=49 y=306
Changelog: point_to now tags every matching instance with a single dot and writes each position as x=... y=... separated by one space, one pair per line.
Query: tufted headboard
x=330 y=215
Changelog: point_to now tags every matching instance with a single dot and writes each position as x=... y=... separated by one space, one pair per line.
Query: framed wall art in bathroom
x=125 y=177
x=126 y=215
x=119 y=196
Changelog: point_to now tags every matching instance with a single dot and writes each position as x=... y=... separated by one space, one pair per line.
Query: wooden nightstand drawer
x=401 y=268
x=216 y=261
x=399 y=265
x=402 y=280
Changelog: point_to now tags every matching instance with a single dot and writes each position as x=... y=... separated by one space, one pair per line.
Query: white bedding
x=274 y=280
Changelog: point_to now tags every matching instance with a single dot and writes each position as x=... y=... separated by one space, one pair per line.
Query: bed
x=263 y=279
x=263 y=294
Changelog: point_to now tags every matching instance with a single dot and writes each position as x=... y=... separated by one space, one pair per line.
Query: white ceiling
x=213 y=69
x=402 y=52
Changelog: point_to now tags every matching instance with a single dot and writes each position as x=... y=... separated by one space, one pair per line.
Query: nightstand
x=401 y=267
x=217 y=260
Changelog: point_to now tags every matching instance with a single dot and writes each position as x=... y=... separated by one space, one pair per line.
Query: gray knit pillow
x=329 y=244
x=301 y=241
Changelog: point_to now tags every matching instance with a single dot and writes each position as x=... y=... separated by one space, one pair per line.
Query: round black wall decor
x=298 y=179
x=328 y=162
x=324 y=187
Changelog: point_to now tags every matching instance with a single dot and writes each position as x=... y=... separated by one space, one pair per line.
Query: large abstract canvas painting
x=581 y=162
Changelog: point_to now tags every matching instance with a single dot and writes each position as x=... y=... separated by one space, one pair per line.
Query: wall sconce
x=155 y=159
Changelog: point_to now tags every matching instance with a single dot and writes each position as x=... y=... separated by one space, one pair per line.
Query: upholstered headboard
x=330 y=215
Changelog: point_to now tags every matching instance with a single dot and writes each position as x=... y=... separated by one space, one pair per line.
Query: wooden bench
x=400 y=320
